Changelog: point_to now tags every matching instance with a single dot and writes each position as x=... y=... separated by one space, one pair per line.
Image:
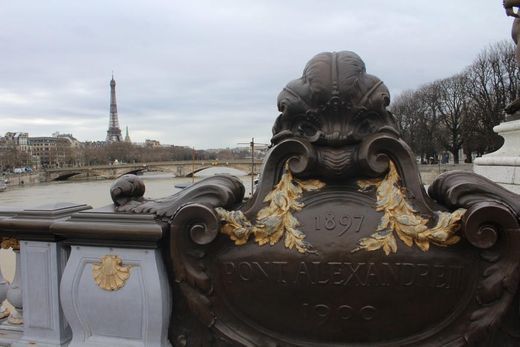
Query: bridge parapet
x=85 y=274
x=178 y=168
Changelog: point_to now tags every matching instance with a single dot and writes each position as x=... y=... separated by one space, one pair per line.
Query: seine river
x=93 y=193
x=97 y=193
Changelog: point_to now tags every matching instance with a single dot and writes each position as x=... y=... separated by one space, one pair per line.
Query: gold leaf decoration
x=10 y=242
x=109 y=273
x=402 y=219
x=275 y=220
x=236 y=225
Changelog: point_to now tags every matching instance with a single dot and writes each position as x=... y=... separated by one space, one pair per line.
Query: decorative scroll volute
x=491 y=224
x=194 y=227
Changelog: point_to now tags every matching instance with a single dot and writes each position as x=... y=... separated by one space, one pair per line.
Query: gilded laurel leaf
x=311 y=185
x=235 y=225
x=275 y=220
x=402 y=219
x=386 y=241
x=369 y=183
x=109 y=274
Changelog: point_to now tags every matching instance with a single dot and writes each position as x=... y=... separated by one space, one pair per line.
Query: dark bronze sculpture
x=340 y=244
x=513 y=109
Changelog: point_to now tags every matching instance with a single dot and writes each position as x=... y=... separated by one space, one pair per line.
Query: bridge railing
x=11 y=304
x=158 y=163
x=179 y=168
x=83 y=277
x=32 y=313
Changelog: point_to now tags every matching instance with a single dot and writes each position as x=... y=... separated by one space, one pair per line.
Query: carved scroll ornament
x=427 y=270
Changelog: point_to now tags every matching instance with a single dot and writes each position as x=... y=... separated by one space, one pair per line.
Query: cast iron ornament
x=340 y=245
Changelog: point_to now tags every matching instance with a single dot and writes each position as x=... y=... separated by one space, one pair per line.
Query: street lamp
x=252 y=145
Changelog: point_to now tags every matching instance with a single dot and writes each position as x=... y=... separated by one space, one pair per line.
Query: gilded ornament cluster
x=10 y=242
x=275 y=220
x=401 y=219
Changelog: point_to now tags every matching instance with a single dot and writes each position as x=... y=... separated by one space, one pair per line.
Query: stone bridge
x=178 y=168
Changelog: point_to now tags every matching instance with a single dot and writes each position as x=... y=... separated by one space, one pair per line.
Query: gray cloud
x=206 y=73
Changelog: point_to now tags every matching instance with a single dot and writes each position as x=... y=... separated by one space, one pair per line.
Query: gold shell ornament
x=110 y=274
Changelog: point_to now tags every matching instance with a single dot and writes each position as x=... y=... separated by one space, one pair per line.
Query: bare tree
x=461 y=111
x=452 y=105
x=418 y=115
x=492 y=83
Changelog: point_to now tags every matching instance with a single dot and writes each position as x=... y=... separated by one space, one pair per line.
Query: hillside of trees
x=459 y=112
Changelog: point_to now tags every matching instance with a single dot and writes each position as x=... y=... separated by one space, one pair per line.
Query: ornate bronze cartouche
x=340 y=245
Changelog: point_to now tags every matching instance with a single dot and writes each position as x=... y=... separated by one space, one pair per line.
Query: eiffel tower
x=113 y=132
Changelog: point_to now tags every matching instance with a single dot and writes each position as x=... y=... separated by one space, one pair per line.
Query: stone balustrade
x=11 y=311
x=83 y=277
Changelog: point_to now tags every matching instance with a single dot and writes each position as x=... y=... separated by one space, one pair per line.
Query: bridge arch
x=191 y=173
x=66 y=176
x=227 y=169
x=179 y=168
x=132 y=172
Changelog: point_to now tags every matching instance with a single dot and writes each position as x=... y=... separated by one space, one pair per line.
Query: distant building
x=74 y=143
x=15 y=151
x=94 y=144
x=54 y=151
x=152 y=143
x=113 y=132
x=18 y=139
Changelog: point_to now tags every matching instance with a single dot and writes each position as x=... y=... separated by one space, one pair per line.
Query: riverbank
x=21 y=179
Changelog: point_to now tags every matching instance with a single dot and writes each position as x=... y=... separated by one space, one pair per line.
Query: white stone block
x=498 y=174
x=503 y=165
x=42 y=264
x=135 y=315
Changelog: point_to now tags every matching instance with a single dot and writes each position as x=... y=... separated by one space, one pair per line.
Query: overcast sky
x=207 y=73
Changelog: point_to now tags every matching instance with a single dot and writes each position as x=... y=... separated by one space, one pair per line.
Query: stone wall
x=430 y=172
x=22 y=179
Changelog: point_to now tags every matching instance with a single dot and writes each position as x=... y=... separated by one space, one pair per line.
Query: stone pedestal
x=503 y=166
x=114 y=290
x=42 y=265
x=134 y=313
x=35 y=289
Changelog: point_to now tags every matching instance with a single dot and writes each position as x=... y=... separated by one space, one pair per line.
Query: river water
x=97 y=193
x=93 y=193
